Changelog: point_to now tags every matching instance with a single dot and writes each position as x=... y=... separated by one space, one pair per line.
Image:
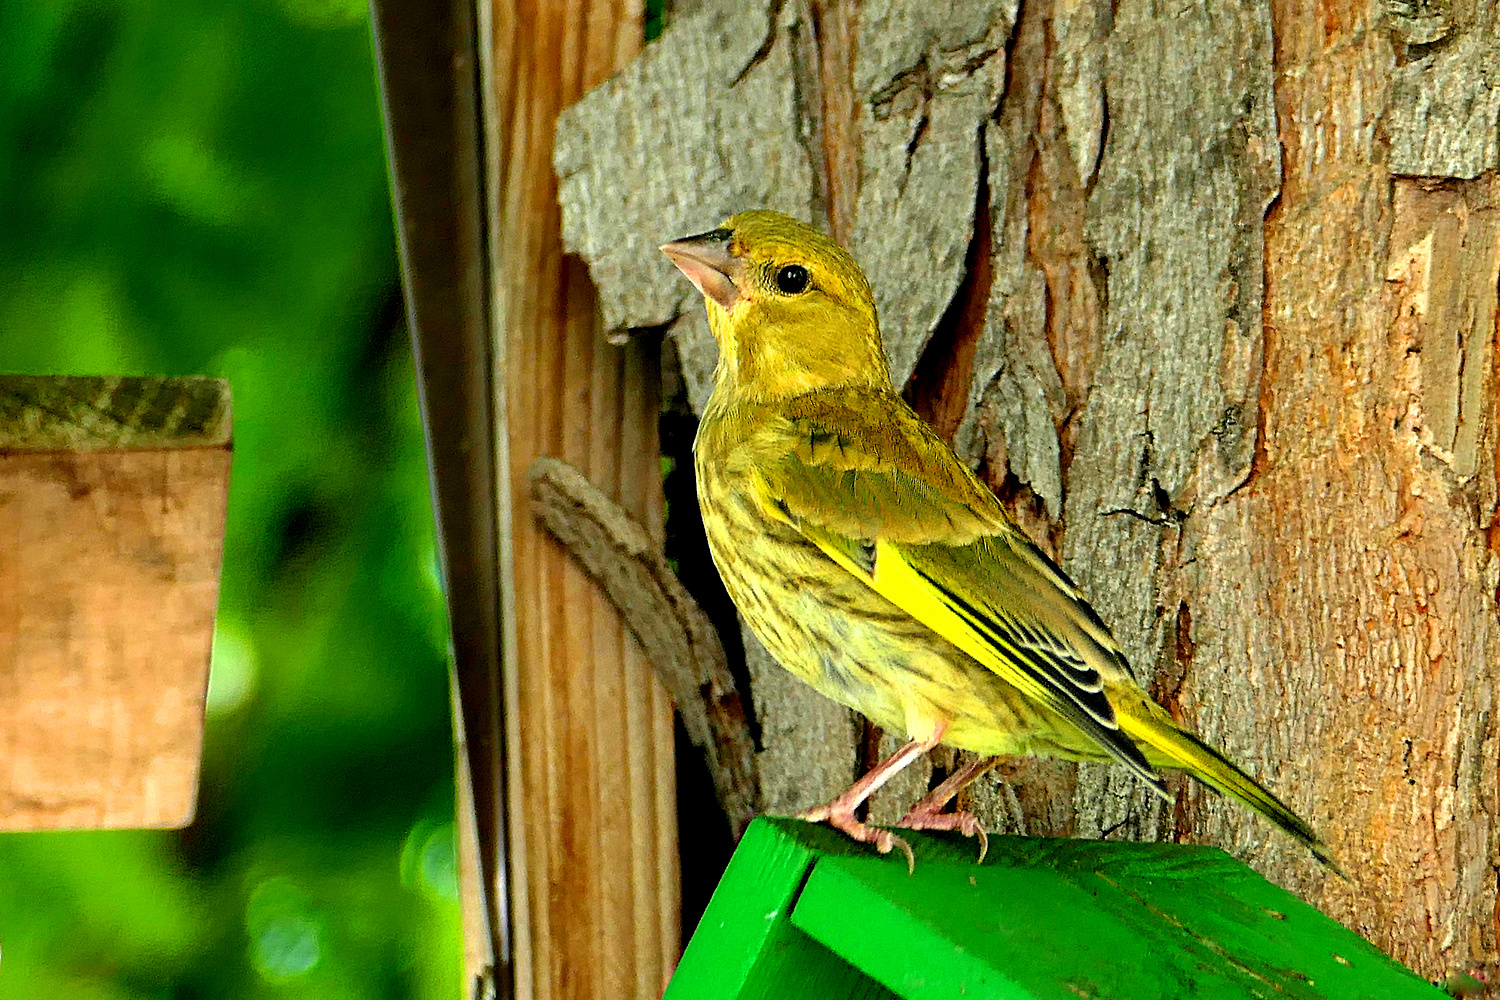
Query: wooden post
x=594 y=868
x=427 y=58
x=112 y=501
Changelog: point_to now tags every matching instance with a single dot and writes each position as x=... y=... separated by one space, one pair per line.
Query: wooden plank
x=1039 y=919
x=430 y=95
x=591 y=787
x=746 y=947
x=112 y=503
x=1059 y=919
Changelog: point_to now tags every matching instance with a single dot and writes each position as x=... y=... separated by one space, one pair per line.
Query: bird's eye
x=793 y=279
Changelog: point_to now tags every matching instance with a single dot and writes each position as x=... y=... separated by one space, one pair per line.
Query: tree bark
x=1208 y=295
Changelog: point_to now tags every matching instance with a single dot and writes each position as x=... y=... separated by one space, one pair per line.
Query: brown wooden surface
x=686 y=654
x=428 y=63
x=112 y=502
x=1234 y=367
x=594 y=864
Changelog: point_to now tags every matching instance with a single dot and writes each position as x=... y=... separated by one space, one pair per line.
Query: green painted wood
x=1041 y=919
x=745 y=947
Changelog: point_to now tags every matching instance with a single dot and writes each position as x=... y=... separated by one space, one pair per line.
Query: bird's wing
x=864 y=479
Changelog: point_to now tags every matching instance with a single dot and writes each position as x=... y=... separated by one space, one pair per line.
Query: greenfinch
x=874 y=565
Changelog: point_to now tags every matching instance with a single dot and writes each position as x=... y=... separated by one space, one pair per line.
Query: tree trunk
x=1208 y=295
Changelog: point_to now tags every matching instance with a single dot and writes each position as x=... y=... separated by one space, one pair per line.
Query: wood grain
x=626 y=561
x=112 y=502
x=427 y=58
x=593 y=866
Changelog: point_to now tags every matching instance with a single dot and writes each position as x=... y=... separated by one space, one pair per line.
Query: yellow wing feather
x=803 y=420
x=914 y=524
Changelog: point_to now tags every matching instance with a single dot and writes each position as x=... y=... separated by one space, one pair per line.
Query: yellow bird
x=875 y=566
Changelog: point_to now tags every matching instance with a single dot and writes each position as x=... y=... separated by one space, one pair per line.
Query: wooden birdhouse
x=112 y=504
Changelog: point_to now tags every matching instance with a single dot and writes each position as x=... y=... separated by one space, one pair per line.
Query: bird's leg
x=839 y=813
x=928 y=813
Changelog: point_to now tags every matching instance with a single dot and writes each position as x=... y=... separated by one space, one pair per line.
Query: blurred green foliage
x=198 y=187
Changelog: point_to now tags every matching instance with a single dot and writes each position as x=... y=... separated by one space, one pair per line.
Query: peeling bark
x=708 y=122
x=677 y=636
x=1208 y=294
x=927 y=76
x=1444 y=118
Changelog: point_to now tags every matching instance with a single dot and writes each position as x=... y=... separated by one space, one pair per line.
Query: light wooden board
x=112 y=504
x=589 y=733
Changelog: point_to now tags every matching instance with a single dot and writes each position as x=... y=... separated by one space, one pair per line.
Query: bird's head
x=790 y=308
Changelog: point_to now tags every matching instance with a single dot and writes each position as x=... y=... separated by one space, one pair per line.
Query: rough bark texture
x=1444 y=106
x=1208 y=294
x=725 y=127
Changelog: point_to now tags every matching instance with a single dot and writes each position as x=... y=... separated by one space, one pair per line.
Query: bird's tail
x=1175 y=748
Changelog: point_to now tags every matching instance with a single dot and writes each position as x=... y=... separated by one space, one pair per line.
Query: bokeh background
x=198 y=187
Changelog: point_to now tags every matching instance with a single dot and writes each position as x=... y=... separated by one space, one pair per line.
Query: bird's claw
x=962 y=822
x=883 y=841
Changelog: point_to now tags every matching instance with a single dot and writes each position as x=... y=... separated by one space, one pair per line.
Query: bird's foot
x=927 y=818
x=843 y=819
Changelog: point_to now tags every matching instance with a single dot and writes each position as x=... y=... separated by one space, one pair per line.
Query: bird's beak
x=708 y=264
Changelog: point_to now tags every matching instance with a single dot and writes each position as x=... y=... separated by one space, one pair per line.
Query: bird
x=873 y=564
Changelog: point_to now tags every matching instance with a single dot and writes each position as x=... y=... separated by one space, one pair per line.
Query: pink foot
x=964 y=822
x=843 y=819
